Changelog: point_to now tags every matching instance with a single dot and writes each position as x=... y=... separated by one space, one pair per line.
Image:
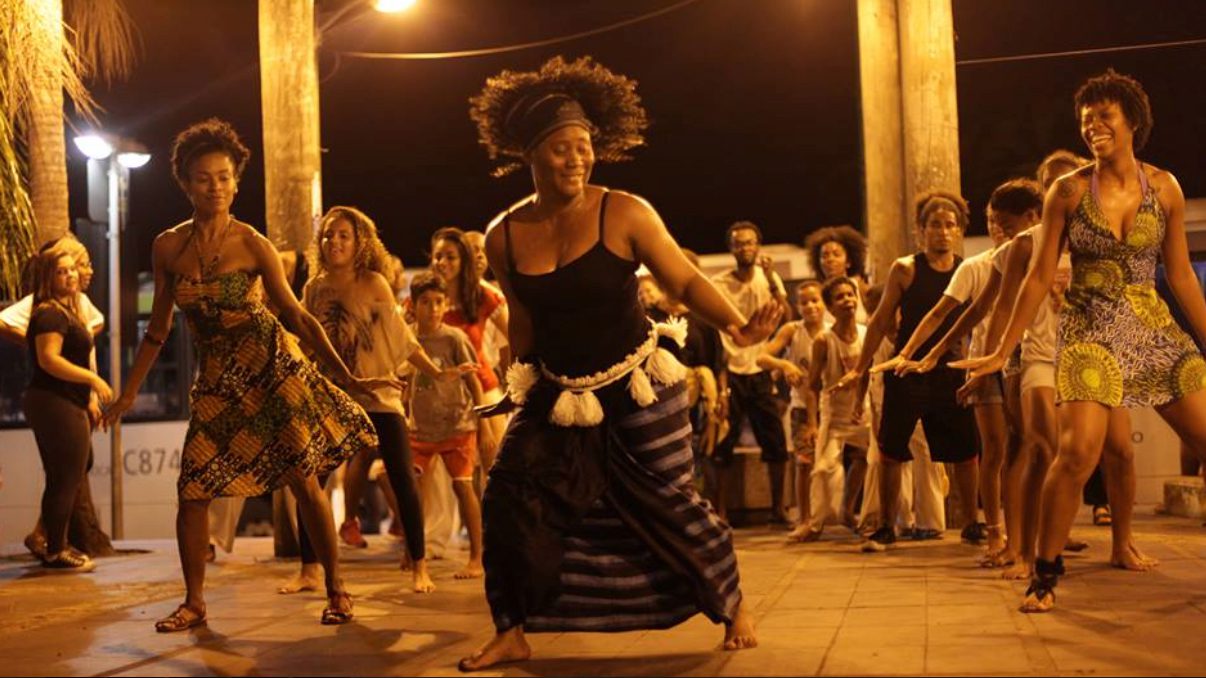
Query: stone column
x=909 y=116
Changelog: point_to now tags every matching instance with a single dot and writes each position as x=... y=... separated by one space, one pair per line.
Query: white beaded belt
x=577 y=405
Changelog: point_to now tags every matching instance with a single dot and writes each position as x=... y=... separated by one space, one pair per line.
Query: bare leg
x=315 y=510
x=776 y=473
x=1082 y=432
x=967 y=477
x=1118 y=466
x=803 y=478
x=994 y=437
x=507 y=646
x=1039 y=442
x=471 y=513
x=192 y=540
x=354 y=479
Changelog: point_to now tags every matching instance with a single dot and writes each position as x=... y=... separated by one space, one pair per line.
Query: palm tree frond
x=105 y=38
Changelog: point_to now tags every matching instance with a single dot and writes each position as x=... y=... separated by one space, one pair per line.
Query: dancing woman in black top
x=591 y=519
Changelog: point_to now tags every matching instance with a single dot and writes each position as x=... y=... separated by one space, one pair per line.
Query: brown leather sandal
x=183 y=619
x=332 y=615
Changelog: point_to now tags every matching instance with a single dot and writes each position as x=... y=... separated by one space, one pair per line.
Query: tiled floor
x=822 y=609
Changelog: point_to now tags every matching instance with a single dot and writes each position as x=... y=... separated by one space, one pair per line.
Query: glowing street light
x=393 y=6
x=95 y=146
x=115 y=157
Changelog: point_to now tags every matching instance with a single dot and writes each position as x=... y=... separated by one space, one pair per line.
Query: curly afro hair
x=207 y=136
x=1127 y=93
x=851 y=240
x=609 y=100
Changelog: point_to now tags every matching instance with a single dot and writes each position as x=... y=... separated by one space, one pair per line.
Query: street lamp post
x=119 y=156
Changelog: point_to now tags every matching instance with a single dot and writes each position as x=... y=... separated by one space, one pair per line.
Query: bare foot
x=299 y=583
x=422 y=580
x=406 y=563
x=472 y=570
x=1018 y=570
x=1038 y=602
x=1131 y=558
x=803 y=533
x=740 y=634
x=1002 y=557
x=508 y=646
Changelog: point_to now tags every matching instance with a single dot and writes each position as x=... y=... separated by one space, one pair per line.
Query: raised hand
x=758 y=327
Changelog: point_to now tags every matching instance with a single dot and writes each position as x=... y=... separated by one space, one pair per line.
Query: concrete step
x=1185 y=496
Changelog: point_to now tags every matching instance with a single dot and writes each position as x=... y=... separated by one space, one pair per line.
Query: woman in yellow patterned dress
x=261 y=414
x=1118 y=344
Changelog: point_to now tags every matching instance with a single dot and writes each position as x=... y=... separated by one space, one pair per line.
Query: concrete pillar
x=909 y=116
x=289 y=96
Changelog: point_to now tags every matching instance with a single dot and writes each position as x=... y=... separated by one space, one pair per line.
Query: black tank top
x=927 y=288
x=585 y=314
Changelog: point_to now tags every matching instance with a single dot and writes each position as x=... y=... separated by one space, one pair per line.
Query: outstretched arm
x=1061 y=200
x=653 y=246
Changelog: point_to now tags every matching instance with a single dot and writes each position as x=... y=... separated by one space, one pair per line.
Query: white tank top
x=837 y=407
x=1039 y=341
x=799 y=353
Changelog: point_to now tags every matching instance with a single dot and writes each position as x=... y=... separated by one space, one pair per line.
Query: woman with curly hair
x=839 y=251
x=356 y=307
x=592 y=522
x=262 y=416
x=1118 y=345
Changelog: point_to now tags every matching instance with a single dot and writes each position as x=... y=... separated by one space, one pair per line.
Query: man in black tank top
x=915 y=283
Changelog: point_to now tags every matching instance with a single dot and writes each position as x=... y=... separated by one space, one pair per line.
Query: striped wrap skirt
x=600 y=528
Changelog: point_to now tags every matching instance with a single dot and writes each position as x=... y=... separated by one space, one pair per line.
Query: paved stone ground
x=821 y=609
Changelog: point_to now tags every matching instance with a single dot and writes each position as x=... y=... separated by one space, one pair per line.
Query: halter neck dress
x=1118 y=344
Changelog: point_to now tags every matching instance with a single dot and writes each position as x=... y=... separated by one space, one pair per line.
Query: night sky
x=754 y=104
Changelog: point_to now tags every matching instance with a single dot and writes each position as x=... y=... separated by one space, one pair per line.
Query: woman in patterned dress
x=1118 y=344
x=261 y=414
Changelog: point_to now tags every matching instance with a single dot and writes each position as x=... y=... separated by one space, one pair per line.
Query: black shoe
x=926 y=534
x=975 y=534
x=880 y=540
x=69 y=561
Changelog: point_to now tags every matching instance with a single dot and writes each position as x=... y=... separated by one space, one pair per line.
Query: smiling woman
x=612 y=513
x=1118 y=345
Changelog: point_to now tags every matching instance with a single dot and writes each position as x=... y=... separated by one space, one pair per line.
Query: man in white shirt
x=747 y=389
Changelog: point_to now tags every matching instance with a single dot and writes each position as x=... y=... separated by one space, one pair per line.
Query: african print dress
x=261 y=412
x=1118 y=343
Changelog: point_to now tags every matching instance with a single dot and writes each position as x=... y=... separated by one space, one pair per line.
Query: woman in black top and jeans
x=56 y=401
